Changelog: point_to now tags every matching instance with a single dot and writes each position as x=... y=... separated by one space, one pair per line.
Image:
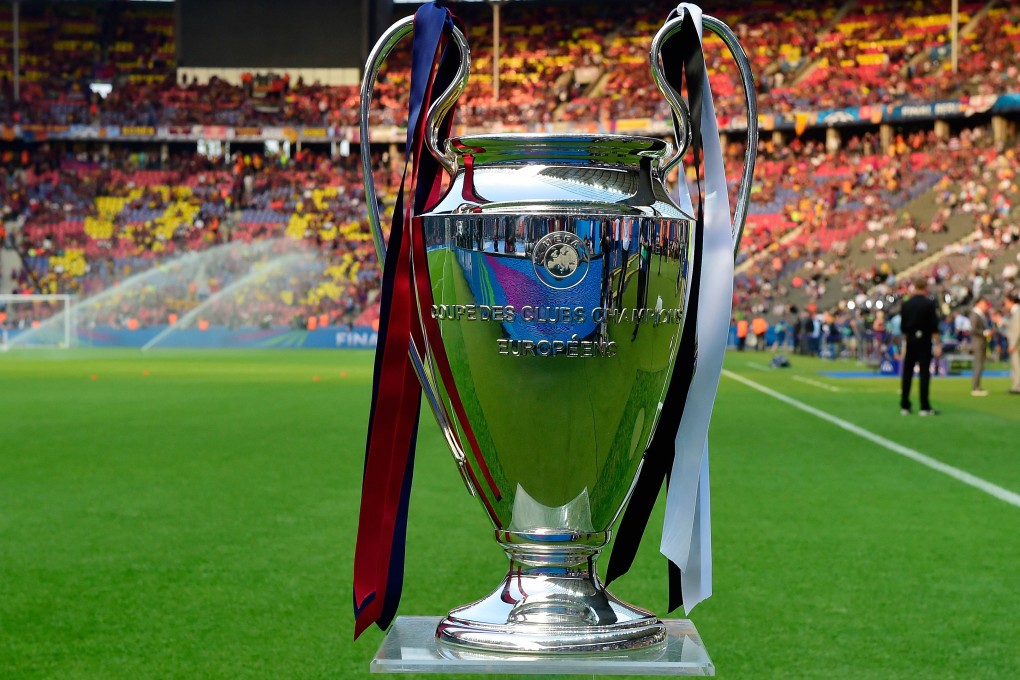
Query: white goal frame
x=67 y=322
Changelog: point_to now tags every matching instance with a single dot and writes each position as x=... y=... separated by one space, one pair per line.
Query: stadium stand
x=578 y=62
x=835 y=219
x=87 y=225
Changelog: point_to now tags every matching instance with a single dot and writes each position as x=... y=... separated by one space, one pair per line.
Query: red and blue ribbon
x=396 y=392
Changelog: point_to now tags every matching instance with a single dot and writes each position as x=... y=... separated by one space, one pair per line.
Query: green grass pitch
x=193 y=514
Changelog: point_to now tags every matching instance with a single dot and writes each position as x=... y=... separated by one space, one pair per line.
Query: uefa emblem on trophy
x=565 y=319
x=561 y=259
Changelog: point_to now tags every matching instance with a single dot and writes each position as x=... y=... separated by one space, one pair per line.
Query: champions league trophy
x=547 y=292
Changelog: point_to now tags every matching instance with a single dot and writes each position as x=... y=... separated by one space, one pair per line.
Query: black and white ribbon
x=686 y=534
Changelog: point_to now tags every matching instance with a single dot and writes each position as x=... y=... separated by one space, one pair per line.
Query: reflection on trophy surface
x=558 y=271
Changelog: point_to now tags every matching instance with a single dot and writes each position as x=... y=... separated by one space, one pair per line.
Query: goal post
x=36 y=321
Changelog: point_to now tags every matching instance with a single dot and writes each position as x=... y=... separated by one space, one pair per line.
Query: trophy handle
x=389 y=40
x=440 y=149
x=393 y=35
x=682 y=116
x=750 y=99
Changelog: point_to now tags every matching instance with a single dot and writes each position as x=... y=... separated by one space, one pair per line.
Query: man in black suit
x=920 y=328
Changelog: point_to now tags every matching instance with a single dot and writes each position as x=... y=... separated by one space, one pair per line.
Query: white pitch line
x=815 y=383
x=760 y=367
x=1002 y=494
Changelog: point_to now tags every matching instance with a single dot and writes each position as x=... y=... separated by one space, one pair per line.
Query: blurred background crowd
x=843 y=217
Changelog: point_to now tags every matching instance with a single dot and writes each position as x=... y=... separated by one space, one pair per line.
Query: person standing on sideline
x=895 y=329
x=980 y=332
x=801 y=333
x=760 y=328
x=878 y=329
x=816 y=335
x=742 y=327
x=1013 y=341
x=919 y=322
x=779 y=332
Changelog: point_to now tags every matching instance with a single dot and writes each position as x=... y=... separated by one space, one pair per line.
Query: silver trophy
x=558 y=268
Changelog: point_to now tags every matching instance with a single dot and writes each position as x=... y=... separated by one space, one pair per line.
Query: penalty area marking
x=815 y=383
x=959 y=475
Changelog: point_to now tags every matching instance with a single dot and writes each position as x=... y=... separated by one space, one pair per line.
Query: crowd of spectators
x=89 y=222
x=869 y=335
x=826 y=227
x=581 y=61
x=882 y=53
x=841 y=241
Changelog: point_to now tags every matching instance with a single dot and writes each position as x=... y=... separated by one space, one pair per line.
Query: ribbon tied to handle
x=678 y=452
x=396 y=391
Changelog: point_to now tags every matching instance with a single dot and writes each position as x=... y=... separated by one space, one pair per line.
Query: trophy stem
x=551 y=601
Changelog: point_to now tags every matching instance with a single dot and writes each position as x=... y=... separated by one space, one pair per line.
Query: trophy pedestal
x=411 y=647
x=568 y=611
x=551 y=601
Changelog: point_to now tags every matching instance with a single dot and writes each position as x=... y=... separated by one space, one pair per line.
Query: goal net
x=36 y=321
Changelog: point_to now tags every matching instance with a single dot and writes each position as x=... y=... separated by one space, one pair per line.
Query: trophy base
x=539 y=639
x=411 y=647
x=551 y=602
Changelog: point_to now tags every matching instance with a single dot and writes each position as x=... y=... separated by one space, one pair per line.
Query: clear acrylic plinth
x=411 y=647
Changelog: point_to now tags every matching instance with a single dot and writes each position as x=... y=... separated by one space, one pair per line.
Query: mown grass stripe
x=994 y=490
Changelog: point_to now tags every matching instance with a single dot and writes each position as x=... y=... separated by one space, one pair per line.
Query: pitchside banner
x=332 y=337
x=797 y=121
